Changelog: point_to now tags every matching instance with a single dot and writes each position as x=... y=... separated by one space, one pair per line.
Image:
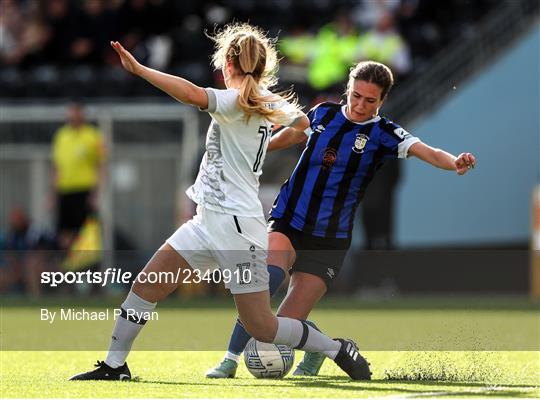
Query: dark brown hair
x=373 y=72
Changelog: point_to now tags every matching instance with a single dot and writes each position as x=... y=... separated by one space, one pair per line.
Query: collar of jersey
x=369 y=121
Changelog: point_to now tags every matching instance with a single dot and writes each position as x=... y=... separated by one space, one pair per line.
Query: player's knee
x=254 y=329
x=294 y=314
x=263 y=336
x=263 y=330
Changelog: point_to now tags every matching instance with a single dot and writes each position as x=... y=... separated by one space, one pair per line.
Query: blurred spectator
x=385 y=44
x=144 y=28
x=23 y=34
x=57 y=15
x=333 y=53
x=368 y=12
x=60 y=48
x=78 y=155
x=328 y=55
x=371 y=268
x=25 y=256
x=93 y=28
x=11 y=32
x=377 y=209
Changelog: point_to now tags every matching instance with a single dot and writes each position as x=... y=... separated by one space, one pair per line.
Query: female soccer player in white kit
x=229 y=230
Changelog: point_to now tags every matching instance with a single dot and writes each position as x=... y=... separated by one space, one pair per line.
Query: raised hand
x=464 y=162
x=128 y=61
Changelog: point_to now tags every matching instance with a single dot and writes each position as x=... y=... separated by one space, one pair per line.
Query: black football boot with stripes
x=104 y=373
x=350 y=361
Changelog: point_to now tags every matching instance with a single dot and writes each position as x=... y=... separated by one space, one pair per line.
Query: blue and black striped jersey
x=339 y=160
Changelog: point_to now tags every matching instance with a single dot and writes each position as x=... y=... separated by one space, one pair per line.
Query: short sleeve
x=222 y=104
x=311 y=117
x=397 y=141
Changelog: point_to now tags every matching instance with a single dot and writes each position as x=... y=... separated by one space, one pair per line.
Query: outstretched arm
x=286 y=137
x=179 y=88
x=441 y=159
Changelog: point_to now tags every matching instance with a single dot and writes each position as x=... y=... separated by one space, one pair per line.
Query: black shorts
x=322 y=257
x=73 y=209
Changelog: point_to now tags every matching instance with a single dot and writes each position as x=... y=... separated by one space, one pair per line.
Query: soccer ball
x=267 y=360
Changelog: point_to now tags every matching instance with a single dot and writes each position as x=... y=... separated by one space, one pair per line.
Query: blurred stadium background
x=467 y=80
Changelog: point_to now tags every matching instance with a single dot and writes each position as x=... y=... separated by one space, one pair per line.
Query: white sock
x=127 y=327
x=232 y=356
x=298 y=334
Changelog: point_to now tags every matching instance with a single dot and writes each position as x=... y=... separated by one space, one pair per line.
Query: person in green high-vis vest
x=328 y=54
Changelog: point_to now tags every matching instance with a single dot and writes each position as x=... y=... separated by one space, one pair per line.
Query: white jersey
x=228 y=179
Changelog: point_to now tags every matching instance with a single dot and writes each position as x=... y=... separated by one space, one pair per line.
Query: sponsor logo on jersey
x=329 y=157
x=401 y=133
x=359 y=143
x=319 y=128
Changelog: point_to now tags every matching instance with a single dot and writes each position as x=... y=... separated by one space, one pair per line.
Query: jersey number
x=263 y=130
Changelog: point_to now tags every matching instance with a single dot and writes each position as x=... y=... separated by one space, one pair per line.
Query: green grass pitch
x=181 y=374
x=494 y=372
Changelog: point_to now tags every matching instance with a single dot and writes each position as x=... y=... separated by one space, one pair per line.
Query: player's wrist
x=141 y=71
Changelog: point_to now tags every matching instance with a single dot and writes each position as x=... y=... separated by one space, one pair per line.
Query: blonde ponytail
x=253 y=55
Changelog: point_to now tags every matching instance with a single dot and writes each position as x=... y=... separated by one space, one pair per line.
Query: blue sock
x=240 y=337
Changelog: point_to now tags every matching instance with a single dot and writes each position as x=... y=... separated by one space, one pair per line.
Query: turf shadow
x=379 y=385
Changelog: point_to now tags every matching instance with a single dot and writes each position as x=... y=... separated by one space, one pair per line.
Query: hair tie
x=249 y=73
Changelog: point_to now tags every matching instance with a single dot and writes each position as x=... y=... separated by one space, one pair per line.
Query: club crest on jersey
x=360 y=142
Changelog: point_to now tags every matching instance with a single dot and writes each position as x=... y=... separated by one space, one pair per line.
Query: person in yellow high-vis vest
x=78 y=153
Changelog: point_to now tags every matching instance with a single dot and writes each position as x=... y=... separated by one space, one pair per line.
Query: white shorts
x=214 y=240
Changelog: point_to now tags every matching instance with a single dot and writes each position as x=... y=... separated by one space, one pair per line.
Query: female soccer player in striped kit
x=312 y=218
x=229 y=230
